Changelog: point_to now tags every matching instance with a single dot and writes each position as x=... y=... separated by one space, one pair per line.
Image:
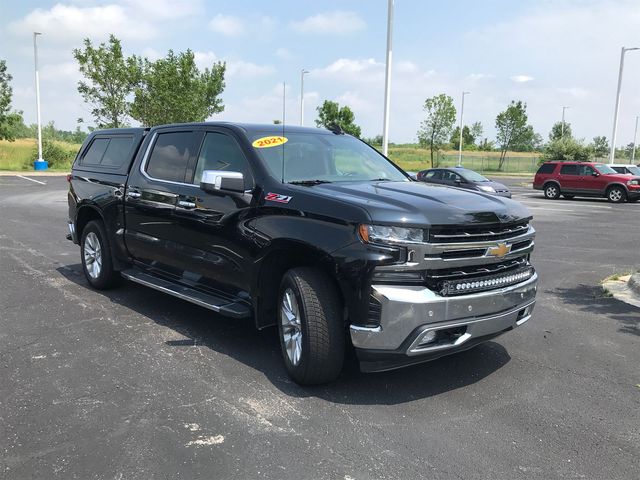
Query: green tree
x=110 y=80
x=600 y=147
x=436 y=128
x=174 y=90
x=330 y=114
x=512 y=128
x=9 y=120
x=476 y=131
x=557 y=132
x=567 y=149
x=467 y=138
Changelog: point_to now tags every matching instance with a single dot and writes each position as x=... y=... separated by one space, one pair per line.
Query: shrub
x=58 y=155
x=567 y=149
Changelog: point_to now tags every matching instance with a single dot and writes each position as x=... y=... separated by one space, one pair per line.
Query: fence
x=479 y=163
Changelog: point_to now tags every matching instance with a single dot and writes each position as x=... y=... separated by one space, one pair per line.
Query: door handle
x=186 y=204
x=133 y=194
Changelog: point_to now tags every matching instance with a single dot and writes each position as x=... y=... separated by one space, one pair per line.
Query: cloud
x=283 y=53
x=335 y=23
x=227 y=25
x=521 y=78
x=69 y=22
x=352 y=70
x=235 y=68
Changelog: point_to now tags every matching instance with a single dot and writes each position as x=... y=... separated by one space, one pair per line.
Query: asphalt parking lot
x=133 y=384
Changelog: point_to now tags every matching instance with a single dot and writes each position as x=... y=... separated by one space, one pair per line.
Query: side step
x=220 y=305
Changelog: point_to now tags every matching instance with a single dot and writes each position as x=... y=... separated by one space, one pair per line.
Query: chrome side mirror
x=222 y=180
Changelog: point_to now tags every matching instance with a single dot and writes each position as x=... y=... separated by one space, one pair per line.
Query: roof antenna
x=284 y=99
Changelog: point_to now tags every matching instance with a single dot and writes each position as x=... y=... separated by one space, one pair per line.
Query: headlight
x=486 y=188
x=633 y=182
x=384 y=234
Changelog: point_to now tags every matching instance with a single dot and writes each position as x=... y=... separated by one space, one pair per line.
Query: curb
x=634 y=283
x=626 y=289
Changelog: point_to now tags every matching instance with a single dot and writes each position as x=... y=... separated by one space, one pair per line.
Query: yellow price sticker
x=266 y=142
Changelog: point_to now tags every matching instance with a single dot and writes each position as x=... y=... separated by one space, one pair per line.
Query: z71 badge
x=276 y=197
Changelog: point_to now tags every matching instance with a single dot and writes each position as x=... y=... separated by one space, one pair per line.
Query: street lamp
x=612 y=154
x=461 y=120
x=302 y=74
x=387 y=80
x=39 y=164
x=635 y=136
x=562 y=127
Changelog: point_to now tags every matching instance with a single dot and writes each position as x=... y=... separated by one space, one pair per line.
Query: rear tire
x=95 y=255
x=616 y=194
x=310 y=327
x=552 y=191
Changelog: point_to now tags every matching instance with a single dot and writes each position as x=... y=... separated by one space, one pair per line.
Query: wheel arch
x=270 y=269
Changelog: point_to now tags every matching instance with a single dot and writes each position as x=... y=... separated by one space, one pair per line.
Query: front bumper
x=459 y=322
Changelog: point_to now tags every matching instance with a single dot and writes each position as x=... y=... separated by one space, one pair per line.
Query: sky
x=547 y=53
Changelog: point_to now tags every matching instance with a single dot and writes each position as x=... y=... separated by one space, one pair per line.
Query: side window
x=586 y=170
x=170 y=156
x=118 y=150
x=430 y=174
x=220 y=152
x=620 y=169
x=547 y=168
x=569 y=170
x=95 y=152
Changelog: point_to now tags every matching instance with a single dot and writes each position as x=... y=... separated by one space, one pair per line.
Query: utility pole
x=387 y=80
x=302 y=74
x=39 y=164
x=635 y=136
x=461 y=125
x=562 y=127
x=612 y=154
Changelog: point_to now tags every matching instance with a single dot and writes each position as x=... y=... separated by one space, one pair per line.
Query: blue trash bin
x=40 y=165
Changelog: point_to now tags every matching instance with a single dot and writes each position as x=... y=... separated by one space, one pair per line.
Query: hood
x=495 y=185
x=422 y=204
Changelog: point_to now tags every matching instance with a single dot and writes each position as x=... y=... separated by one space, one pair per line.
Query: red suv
x=583 y=179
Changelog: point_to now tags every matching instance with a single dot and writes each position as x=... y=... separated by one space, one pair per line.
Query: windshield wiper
x=379 y=180
x=308 y=182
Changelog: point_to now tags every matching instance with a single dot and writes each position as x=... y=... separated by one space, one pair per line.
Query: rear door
x=152 y=194
x=569 y=178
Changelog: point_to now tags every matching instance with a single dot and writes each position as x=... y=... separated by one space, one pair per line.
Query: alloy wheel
x=92 y=255
x=291 y=326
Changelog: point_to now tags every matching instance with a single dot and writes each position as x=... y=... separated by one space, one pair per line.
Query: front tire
x=552 y=191
x=95 y=256
x=568 y=197
x=310 y=327
x=616 y=194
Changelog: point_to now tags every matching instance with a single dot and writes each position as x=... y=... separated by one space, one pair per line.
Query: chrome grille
x=475 y=234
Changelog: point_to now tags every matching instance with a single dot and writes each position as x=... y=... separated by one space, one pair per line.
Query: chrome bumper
x=409 y=312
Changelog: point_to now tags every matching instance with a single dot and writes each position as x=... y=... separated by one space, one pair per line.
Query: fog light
x=428 y=337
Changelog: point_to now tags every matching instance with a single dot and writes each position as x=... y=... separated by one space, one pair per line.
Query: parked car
x=463 y=178
x=308 y=230
x=586 y=179
x=627 y=169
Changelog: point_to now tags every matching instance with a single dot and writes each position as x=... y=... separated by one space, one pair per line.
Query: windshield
x=471 y=176
x=634 y=170
x=320 y=158
x=604 y=169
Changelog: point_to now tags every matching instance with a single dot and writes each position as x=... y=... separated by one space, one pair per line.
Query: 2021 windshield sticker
x=267 y=142
x=277 y=197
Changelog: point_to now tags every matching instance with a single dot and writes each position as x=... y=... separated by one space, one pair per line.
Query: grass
x=20 y=154
x=414 y=159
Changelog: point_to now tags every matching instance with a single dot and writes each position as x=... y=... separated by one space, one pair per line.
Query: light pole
x=387 y=79
x=461 y=124
x=635 y=136
x=562 y=126
x=39 y=164
x=302 y=74
x=612 y=154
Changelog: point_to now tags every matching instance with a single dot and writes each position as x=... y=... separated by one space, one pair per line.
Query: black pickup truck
x=308 y=229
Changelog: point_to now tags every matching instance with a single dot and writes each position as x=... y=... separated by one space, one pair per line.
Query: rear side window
x=95 y=152
x=109 y=152
x=569 y=170
x=171 y=155
x=547 y=168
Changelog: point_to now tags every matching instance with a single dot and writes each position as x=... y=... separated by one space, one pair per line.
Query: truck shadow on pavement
x=260 y=350
x=592 y=299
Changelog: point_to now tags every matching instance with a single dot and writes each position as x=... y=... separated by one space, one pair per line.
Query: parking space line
x=31 y=179
x=551 y=209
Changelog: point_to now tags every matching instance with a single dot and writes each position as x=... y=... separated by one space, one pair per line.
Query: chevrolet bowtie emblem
x=499 y=250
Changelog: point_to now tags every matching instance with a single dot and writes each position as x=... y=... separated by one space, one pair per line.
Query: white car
x=627 y=169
